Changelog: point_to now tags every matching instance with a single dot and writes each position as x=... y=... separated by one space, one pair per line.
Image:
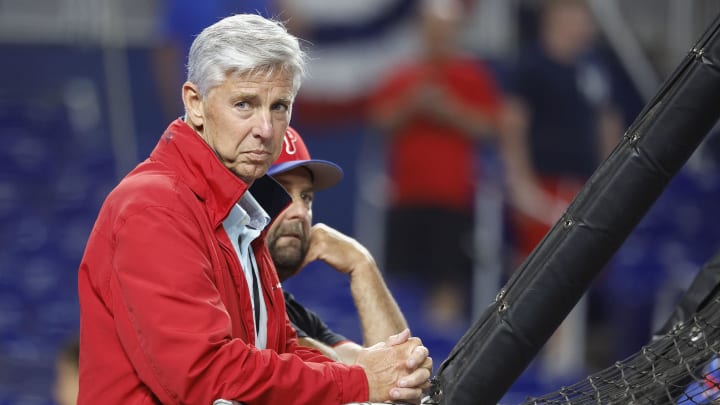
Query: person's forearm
x=513 y=145
x=525 y=193
x=388 y=119
x=345 y=352
x=474 y=122
x=610 y=131
x=391 y=114
x=379 y=314
x=321 y=347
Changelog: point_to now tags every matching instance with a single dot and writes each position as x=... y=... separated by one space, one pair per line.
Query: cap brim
x=325 y=173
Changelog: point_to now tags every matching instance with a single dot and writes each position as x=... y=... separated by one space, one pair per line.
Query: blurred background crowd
x=464 y=129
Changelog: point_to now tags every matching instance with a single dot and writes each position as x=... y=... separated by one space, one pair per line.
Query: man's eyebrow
x=246 y=97
x=254 y=98
x=284 y=100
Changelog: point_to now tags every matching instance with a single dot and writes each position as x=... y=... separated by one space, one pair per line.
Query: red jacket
x=165 y=310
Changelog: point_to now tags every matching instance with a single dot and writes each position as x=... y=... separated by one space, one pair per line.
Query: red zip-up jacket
x=165 y=309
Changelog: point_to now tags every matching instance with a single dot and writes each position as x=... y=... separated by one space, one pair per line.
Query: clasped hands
x=398 y=369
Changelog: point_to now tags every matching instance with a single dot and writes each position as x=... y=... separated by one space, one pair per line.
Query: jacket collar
x=182 y=148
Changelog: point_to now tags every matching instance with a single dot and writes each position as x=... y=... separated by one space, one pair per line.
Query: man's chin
x=287 y=253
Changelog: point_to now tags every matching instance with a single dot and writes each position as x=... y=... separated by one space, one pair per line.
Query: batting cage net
x=680 y=366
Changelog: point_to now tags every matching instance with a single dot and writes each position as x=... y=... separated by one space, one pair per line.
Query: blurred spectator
x=559 y=123
x=434 y=111
x=65 y=389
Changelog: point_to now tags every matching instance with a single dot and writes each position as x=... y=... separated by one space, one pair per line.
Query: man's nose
x=263 y=125
x=298 y=210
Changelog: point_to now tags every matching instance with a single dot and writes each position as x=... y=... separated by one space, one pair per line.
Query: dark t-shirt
x=308 y=323
x=564 y=103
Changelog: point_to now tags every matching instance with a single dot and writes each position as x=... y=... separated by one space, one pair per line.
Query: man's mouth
x=258 y=154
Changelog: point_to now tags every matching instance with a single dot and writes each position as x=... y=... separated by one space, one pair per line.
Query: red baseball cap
x=295 y=154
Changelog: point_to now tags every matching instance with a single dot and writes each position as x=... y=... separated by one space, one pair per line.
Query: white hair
x=240 y=44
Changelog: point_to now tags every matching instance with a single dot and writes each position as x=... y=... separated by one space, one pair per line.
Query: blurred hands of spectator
x=434 y=110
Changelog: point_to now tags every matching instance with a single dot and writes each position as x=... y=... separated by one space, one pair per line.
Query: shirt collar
x=247 y=213
x=256 y=216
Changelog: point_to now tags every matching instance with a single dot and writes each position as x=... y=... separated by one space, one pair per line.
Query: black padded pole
x=540 y=294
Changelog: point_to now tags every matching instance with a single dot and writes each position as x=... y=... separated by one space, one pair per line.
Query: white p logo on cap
x=289 y=142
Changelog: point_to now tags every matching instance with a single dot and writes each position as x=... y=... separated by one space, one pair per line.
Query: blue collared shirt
x=243 y=225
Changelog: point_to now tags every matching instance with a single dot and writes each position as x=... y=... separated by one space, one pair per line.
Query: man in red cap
x=293 y=242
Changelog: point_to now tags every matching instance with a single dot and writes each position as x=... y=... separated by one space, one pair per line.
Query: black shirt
x=565 y=102
x=308 y=323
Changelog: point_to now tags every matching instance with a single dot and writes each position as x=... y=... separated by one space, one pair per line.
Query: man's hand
x=397 y=369
x=437 y=102
x=340 y=251
x=379 y=314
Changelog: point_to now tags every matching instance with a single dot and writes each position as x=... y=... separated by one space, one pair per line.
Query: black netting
x=681 y=367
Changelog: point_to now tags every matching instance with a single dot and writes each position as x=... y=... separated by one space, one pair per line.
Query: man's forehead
x=261 y=77
x=269 y=91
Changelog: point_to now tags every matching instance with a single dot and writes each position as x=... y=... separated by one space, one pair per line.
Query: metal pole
x=626 y=46
x=117 y=82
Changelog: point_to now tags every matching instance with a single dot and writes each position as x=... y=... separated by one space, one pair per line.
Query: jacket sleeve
x=174 y=327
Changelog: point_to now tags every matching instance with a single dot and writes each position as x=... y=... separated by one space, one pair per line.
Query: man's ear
x=193 y=105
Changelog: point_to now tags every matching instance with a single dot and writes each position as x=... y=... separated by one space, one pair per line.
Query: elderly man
x=180 y=302
x=293 y=243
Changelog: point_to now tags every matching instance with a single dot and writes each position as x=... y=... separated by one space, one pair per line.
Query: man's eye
x=307 y=197
x=280 y=107
x=241 y=105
